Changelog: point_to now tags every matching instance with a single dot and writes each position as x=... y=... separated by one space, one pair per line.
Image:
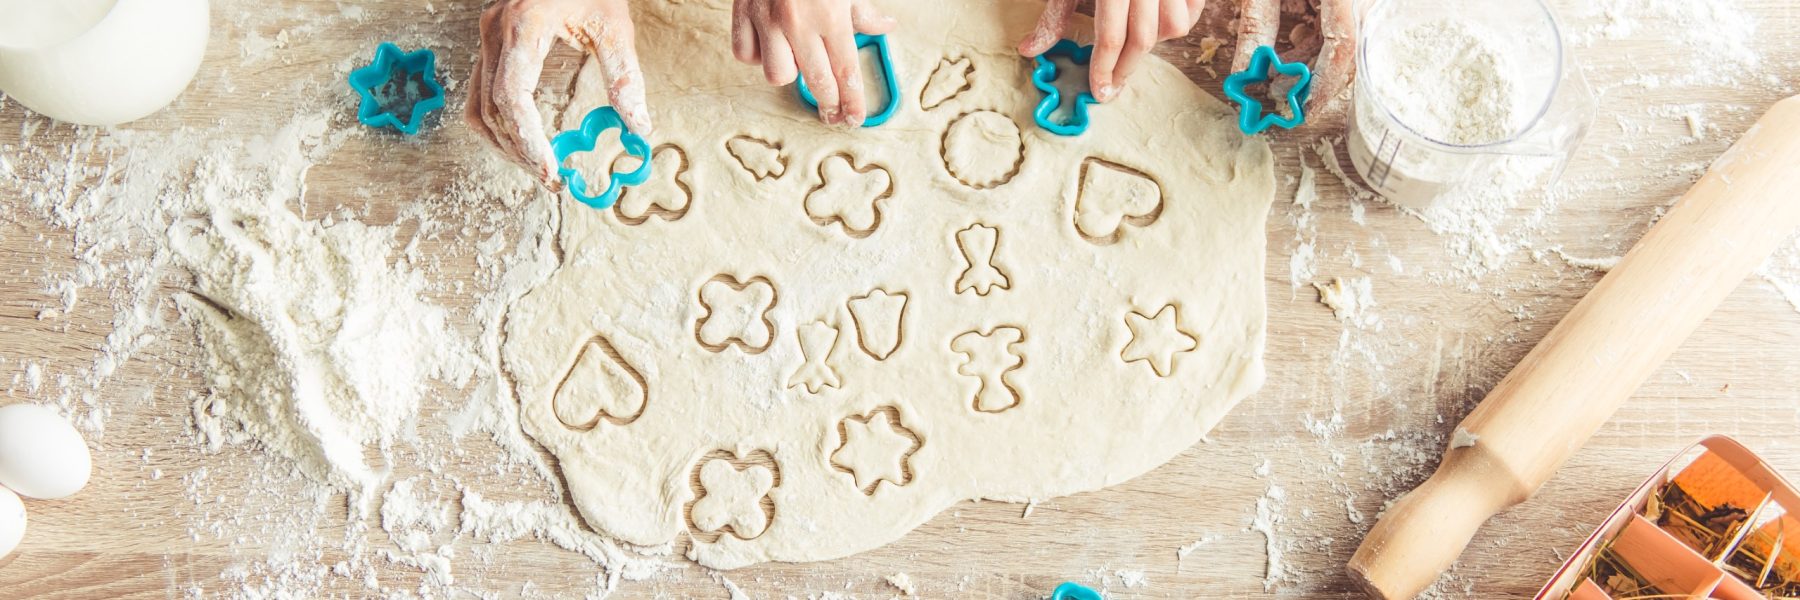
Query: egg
x=12 y=521
x=132 y=63
x=41 y=454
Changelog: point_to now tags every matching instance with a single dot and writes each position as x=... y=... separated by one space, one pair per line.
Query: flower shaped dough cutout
x=583 y=139
x=1044 y=77
x=398 y=82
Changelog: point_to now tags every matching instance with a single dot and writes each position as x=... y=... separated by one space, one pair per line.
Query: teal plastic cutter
x=583 y=139
x=1070 y=590
x=398 y=89
x=1043 y=78
x=886 y=61
x=1251 y=118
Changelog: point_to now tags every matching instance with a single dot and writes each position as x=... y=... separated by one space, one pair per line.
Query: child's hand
x=817 y=37
x=1126 y=30
x=515 y=37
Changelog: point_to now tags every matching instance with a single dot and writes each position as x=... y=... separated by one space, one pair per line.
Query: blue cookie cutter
x=1042 y=78
x=1070 y=590
x=1251 y=118
x=582 y=140
x=864 y=40
x=398 y=80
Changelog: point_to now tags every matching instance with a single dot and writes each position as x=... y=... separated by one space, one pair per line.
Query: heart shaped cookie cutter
x=886 y=61
x=583 y=139
x=389 y=78
x=1251 y=118
x=1043 y=77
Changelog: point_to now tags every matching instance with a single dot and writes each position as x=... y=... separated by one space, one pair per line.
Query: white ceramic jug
x=100 y=62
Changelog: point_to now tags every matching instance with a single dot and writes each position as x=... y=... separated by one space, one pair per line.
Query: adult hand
x=1126 y=30
x=814 y=40
x=1335 y=39
x=516 y=36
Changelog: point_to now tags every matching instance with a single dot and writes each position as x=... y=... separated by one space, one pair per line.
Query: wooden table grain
x=1272 y=504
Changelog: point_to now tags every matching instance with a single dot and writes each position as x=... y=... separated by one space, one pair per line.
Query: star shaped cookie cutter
x=389 y=81
x=1043 y=76
x=583 y=139
x=1070 y=590
x=886 y=60
x=1251 y=118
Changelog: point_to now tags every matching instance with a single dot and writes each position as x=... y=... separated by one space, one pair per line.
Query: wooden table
x=1351 y=416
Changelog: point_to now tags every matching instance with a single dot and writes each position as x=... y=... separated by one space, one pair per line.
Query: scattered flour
x=1182 y=553
x=1602 y=264
x=1463 y=438
x=1301 y=261
x=1349 y=299
x=315 y=346
x=904 y=583
x=1782 y=270
x=325 y=356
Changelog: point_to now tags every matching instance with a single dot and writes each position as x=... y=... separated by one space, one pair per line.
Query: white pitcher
x=100 y=62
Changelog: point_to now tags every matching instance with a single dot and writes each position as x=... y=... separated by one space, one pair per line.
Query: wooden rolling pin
x=1553 y=401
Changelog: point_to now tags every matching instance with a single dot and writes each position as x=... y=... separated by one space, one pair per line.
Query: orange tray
x=1715 y=471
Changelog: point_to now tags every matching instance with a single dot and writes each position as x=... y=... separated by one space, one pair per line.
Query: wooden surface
x=1350 y=417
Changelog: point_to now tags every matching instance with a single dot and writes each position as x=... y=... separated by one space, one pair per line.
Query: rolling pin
x=1746 y=205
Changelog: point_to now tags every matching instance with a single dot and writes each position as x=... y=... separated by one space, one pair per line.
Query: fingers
x=815 y=68
x=1336 y=63
x=779 y=66
x=1049 y=29
x=612 y=40
x=477 y=105
x=1257 y=22
x=1141 y=27
x=495 y=46
x=846 y=66
x=1178 y=18
x=743 y=34
x=514 y=83
x=865 y=18
x=1111 y=29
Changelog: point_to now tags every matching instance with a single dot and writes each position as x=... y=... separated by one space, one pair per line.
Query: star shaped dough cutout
x=1156 y=340
x=873 y=451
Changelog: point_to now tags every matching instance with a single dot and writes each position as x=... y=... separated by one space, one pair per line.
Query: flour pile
x=337 y=391
x=1449 y=82
x=315 y=346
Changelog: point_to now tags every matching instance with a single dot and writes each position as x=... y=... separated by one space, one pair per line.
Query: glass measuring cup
x=1551 y=105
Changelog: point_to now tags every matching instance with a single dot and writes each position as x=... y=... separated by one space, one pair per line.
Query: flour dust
x=342 y=393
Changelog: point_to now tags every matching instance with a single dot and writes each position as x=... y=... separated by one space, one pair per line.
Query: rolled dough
x=798 y=342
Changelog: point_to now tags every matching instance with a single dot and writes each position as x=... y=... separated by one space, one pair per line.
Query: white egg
x=12 y=521
x=131 y=63
x=41 y=454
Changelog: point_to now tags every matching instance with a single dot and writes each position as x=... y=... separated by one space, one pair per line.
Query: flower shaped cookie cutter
x=583 y=139
x=886 y=60
x=398 y=82
x=1070 y=590
x=1251 y=118
x=1043 y=77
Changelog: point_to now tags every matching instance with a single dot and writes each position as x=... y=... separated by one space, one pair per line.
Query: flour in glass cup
x=1448 y=82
